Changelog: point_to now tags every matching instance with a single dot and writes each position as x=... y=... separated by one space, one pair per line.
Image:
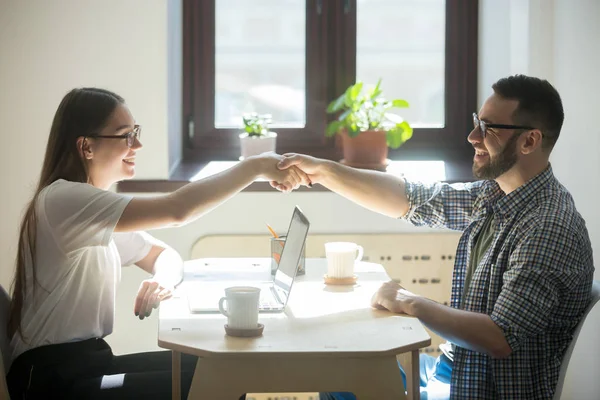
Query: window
x=260 y=60
x=290 y=58
x=403 y=42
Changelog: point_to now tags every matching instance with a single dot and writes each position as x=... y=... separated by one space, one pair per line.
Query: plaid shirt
x=534 y=281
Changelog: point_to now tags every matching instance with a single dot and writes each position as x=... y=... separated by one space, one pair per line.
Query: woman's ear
x=84 y=147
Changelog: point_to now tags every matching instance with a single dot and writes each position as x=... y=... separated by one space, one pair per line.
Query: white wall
x=50 y=47
x=577 y=77
x=515 y=36
x=46 y=48
x=174 y=81
x=558 y=40
x=576 y=157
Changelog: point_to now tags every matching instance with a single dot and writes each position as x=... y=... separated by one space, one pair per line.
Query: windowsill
x=186 y=172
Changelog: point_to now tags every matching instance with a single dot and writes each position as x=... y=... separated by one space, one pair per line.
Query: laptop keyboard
x=266 y=300
x=206 y=297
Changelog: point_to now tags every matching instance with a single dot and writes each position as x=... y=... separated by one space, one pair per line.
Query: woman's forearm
x=168 y=268
x=198 y=198
x=190 y=201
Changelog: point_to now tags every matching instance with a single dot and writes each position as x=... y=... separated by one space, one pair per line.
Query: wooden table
x=329 y=339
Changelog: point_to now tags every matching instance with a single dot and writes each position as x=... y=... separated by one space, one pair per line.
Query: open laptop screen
x=290 y=255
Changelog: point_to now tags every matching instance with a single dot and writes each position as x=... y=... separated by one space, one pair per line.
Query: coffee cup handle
x=222 y=309
x=361 y=251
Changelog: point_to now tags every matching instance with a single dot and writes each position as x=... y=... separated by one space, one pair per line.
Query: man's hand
x=150 y=294
x=393 y=297
x=471 y=330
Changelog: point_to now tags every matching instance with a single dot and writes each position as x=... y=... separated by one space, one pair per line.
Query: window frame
x=330 y=68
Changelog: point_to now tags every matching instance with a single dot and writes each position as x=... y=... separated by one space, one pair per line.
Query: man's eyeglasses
x=484 y=126
x=136 y=133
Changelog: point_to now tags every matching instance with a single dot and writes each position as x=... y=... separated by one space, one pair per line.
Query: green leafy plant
x=257 y=124
x=364 y=110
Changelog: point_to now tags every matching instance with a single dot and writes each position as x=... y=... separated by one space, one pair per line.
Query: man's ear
x=84 y=147
x=533 y=141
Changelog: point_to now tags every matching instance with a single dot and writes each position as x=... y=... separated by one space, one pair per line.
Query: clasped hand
x=304 y=167
x=284 y=180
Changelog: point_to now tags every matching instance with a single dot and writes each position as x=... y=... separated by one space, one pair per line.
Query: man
x=523 y=269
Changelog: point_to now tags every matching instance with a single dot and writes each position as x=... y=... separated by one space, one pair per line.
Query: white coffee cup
x=341 y=257
x=240 y=306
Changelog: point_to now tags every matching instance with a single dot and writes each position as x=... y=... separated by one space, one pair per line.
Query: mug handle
x=360 y=253
x=222 y=309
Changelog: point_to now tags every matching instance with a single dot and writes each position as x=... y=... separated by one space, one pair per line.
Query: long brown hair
x=81 y=113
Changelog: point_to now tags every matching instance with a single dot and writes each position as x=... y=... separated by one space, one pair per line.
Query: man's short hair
x=539 y=106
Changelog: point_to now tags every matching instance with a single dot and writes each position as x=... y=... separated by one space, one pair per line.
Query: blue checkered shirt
x=534 y=280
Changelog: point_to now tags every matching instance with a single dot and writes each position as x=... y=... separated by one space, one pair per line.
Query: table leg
x=176 y=375
x=410 y=364
x=415 y=382
x=229 y=378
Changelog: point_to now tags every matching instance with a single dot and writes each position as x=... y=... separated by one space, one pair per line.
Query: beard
x=500 y=163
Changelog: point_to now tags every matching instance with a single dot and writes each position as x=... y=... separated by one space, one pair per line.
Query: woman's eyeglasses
x=484 y=126
x=131 y=137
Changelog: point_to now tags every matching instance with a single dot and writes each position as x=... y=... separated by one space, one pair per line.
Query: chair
x=567 y=357
x=4 y=349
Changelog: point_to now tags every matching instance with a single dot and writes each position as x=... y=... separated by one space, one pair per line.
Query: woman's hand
x=150 y=294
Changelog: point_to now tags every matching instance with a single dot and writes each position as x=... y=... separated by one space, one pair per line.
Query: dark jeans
x=435 y=375
x=89 y=370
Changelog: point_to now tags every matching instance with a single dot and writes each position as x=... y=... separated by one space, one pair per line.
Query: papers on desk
x=228 y=269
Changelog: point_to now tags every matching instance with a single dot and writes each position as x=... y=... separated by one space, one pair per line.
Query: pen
x=275 y=235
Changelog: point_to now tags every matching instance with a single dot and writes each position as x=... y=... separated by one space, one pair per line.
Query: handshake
x=287 y=172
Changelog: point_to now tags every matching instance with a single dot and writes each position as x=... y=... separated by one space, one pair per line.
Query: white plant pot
x=254 y=145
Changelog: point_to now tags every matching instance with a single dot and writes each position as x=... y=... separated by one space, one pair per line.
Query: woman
x=75 y=236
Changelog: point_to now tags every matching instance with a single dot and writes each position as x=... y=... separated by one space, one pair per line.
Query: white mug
x=341 y=257
x=240 y=306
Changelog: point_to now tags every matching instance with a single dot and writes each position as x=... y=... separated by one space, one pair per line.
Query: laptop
x=274 y=294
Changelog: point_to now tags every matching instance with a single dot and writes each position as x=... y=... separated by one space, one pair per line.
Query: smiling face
x=111 y=160
x=497 y=153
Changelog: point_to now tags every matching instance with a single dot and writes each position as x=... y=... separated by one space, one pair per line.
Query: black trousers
x=89 y=370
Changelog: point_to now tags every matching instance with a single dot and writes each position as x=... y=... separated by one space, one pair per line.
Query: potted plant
x=257 y=138
x=366 y=126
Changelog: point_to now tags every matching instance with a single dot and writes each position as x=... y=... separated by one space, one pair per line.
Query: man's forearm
x=377 y=191
x=473 y=331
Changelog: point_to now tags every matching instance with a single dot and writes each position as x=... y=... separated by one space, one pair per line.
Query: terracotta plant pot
x=367 y=150
x=254 y=145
